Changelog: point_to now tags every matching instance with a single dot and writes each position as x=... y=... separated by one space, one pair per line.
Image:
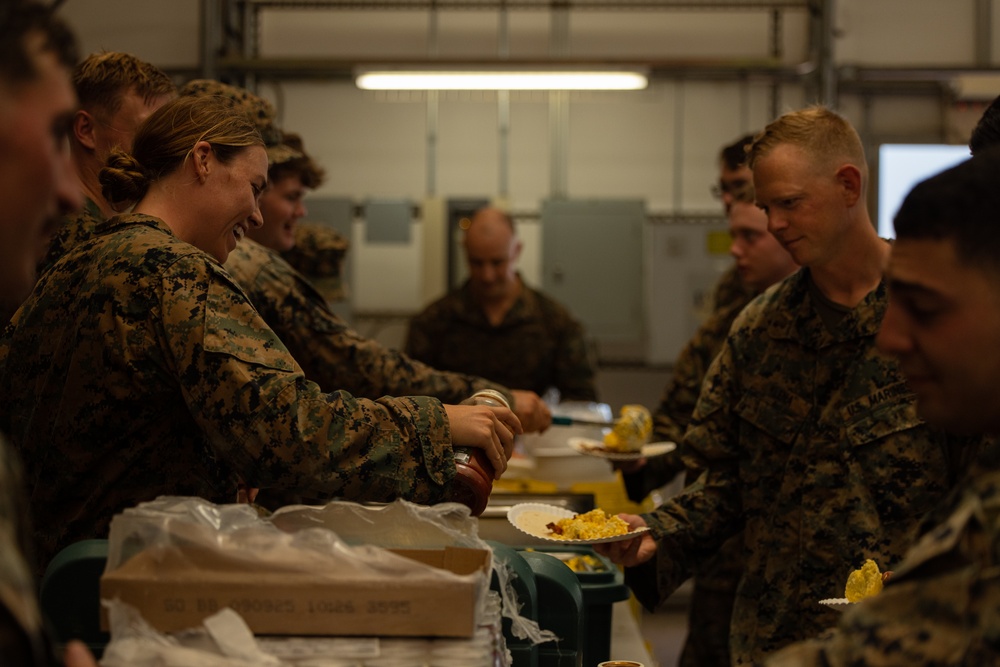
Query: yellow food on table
x=864 y=583
x=584 y=563
x=593 y=525
x=631 y=431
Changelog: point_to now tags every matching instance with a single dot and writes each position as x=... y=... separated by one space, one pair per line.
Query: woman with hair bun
x=143 y=370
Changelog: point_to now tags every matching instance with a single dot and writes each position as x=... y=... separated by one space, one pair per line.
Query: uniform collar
x=797 y=318
x=132 y=220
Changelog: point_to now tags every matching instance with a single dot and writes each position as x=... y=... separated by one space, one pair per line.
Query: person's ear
x=515 y=252
x=84 y=127
x=201 y=160
x=849 y=178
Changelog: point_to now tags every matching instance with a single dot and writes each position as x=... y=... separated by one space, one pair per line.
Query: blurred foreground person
x=138 y=368
x=943 y=324
x=36 y=188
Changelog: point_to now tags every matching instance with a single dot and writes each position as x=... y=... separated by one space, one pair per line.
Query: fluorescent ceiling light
x=512 y=78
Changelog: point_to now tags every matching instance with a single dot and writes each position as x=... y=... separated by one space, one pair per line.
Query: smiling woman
x=214 y=157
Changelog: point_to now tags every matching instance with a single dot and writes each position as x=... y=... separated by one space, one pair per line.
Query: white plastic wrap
x=340 y=540
x=405 y=525
x=172 y=528
x=223 y=641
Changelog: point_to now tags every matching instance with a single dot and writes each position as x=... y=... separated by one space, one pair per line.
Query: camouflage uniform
x=329 y=352
x=139 y=368
x=318 y=254
x=21 y=638
x=811 y=443
x=74 y=230
x=537 y=345
x=716 y=579
x=939 y=607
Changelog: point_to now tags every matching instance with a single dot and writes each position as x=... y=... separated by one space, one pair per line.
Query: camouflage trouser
x=707 y=643
x=715 y=584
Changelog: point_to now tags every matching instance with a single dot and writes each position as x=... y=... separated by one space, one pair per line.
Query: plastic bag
x=402 y=524
x=224 y=640
x=337 y=540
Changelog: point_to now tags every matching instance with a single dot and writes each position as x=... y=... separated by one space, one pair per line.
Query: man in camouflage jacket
x=940 y=605
x=808 y=436
x=37 y=51
x=497 y=327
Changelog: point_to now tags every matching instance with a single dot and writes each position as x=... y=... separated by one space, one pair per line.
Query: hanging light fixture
x=500 y=77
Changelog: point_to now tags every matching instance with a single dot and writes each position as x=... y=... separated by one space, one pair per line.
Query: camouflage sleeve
x=574 y=364
x=690 y=527
x=937 y=609
x=277 y=428
x=73 y=231
x=658 y=471
x=335 y=356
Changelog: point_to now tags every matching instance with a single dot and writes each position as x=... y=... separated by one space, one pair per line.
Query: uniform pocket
x=905 y=467
x=780 y=417
x=233 y=327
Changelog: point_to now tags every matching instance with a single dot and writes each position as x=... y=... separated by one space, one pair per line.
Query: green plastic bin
x=601 y=589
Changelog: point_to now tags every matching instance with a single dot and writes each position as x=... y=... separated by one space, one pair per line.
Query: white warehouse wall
x=659 y=144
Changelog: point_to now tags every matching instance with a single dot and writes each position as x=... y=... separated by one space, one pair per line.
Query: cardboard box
x=175 y=591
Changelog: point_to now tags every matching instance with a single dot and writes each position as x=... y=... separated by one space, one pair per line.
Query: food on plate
x=584 y=563
x=864 y=582
x=631 y=431
x=592 y=525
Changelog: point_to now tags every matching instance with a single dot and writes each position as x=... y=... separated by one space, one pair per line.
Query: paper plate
x=840 y=604
x=596 y=448
x=531 y=519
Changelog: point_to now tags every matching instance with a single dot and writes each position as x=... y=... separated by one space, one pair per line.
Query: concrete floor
x=664 y=632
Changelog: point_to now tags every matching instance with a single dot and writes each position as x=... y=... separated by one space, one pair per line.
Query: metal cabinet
x=592 y=263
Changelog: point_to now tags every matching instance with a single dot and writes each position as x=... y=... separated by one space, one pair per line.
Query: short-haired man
x=943 y=324
x=497 y=327
x=807 y=434
x=117 y=91
x=36 y=185
x=36 y=189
